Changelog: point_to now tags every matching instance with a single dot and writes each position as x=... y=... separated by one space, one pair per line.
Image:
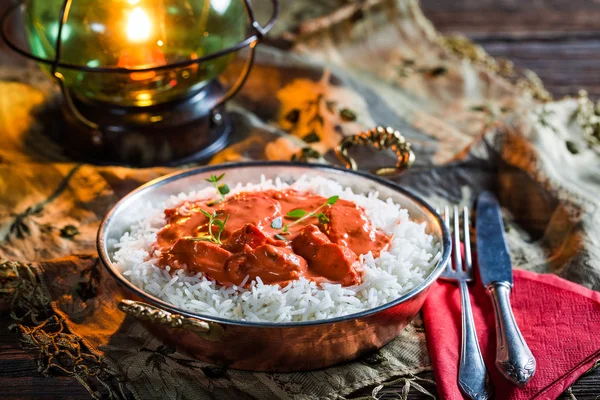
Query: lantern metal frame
x=254 y=36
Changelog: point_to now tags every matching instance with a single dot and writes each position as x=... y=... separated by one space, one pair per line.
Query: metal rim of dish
x=428 y=281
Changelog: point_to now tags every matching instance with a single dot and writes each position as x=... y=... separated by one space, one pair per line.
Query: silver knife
x=513 y=357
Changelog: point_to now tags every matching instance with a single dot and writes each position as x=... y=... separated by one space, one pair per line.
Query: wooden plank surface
x=19 y=376
x=557 y=39
x=509 y=17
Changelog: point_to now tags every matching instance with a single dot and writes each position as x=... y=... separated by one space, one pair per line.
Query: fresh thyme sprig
x=212 y=221
x=301 y=215
x=222 y=189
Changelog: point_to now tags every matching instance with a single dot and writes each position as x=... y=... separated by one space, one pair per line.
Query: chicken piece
x=307 y=241
x=248 y=235
x=348 y=226
x=272 y=264
x=199 y=256
x=335 y=263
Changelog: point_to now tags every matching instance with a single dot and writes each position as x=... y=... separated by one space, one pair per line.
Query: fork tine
x=467 y=236
x=456 y=245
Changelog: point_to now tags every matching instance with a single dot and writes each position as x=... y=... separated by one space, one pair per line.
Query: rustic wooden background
x=558 y=39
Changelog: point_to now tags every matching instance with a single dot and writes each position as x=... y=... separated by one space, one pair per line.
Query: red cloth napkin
x=560 y=321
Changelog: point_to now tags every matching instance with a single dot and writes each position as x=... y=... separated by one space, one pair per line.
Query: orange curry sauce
x=319 y=252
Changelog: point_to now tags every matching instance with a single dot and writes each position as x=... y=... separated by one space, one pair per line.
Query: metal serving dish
x=282 y=347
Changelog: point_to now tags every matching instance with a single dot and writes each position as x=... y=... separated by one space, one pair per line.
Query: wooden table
x=558 y=39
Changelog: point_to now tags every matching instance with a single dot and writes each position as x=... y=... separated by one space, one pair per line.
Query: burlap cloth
x=474 y=123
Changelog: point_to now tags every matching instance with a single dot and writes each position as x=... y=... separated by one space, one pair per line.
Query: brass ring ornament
x=379 y=138
x=207 y=330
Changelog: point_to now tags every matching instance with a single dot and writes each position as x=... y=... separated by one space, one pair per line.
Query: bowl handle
x=207 y=330
x=379 y=138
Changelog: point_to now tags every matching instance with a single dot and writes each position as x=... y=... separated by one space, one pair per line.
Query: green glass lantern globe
x=130 y=35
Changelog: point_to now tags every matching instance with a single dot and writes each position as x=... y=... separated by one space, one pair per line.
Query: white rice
x=412 y=255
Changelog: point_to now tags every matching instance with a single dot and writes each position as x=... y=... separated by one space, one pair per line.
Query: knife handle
x=513 y=357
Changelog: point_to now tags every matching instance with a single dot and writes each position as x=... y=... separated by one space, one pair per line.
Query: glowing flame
x=144 y=99
x=220 y=6
x=139 y=25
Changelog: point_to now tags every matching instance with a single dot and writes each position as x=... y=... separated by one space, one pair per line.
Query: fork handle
x=513 y=358
x=472 y=375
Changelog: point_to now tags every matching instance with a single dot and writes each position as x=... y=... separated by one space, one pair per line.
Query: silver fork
x=472 y=374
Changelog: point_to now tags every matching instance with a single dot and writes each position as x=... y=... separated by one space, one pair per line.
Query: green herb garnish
x=222 y=189
x=300 y=215
x=323 y=218
x=278 y=236
x=332 y=200
x=210 y=235
x=297 y=213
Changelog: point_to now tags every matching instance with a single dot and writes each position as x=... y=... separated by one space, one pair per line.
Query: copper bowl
x=263 y=346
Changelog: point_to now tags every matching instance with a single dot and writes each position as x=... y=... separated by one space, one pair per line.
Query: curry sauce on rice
x=275 y=235
x=276 y=252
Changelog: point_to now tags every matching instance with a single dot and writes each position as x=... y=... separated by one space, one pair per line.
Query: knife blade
x=514 y=360
x=492 y=251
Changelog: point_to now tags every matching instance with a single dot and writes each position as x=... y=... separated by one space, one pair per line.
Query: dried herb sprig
x=210 y=235
x=300 y=215
x=222 y=189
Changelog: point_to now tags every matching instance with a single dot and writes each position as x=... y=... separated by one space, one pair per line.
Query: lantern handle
x=233 y=90
x=259 y=32
x=63 y=16
x=71 y=104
